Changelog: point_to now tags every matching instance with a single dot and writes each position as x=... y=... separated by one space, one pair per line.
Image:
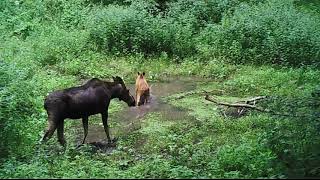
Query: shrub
x=295 y=143
x=113 y=29
x=118 y=29
x=22 y=116
x=249 y=159
x=271 y=32
x=55 y=45
x=210 y=11
x=16 y=110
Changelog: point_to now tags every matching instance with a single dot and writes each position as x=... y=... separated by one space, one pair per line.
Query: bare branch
x=199 y=92
x=250 y=106
x=236 y=104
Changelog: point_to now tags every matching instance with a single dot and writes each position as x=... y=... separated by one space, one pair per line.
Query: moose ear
x=143 y=73
x=118 y=78
x=114 y=79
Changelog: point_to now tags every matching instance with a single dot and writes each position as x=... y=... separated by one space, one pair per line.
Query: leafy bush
x=118 y=29
x=204 y=12
x=17 y=110
x=295 y=142
x=272 y=32
x=22 y=116
x=19 y=18
x=273 y=82
x=249 y=159
x=58 y=45
x=113 y=29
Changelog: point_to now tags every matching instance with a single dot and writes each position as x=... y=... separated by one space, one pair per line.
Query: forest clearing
x=231 y=88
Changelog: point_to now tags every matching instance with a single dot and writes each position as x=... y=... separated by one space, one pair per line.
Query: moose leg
x=49 y=132
x=105 y=124
x=85 y=127
x=60 y=128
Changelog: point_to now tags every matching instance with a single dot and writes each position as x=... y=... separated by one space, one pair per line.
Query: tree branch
x=236 y=104
x=251 y=107
x=199 y=92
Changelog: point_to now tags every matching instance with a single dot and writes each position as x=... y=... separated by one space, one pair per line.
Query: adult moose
x=142 y=89
x=80 y=102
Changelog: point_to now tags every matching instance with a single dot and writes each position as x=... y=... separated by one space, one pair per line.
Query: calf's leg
x=138 y=99
x=142 y=100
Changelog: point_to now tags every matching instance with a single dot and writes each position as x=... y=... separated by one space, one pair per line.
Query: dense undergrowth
x=245 y=47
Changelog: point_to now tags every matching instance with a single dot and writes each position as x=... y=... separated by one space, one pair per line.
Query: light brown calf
x=142 y=90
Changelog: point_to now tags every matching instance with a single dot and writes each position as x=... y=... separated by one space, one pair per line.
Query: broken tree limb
x=201 y=92
x=257 y=98
x=251 y=107
x=254 y=99
x=236 y=104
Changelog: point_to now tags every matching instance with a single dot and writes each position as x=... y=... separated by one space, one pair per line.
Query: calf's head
x=141 y=75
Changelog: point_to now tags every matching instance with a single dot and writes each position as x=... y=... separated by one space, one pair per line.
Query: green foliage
x=295 y=142
x=58 y=45
x=311 y=6
x=270 y=81
x=114 y=28
x=204 y=12
x=249 y=159
x=270 y=33
x=16 y=108
x=247 y=31
x=22 y=113
x=287 y=145
x=118 y=29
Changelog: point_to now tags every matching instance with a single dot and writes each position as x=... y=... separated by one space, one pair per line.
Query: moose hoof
x=79 y=145
x=63 y=143
x=112 y=142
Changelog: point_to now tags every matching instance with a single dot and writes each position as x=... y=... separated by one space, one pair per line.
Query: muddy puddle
x=129 y=119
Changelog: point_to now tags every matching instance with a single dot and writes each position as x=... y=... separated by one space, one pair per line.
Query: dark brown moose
x=80 y=102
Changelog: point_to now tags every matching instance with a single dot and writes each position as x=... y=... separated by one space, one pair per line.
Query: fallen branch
x=236 y=105
x=251 y=107
x=254 y=99
x=199 y=92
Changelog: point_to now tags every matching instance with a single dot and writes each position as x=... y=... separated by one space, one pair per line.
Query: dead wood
x=253 y=100
x=202 y=92
x=236 y=104
x=244 y=105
